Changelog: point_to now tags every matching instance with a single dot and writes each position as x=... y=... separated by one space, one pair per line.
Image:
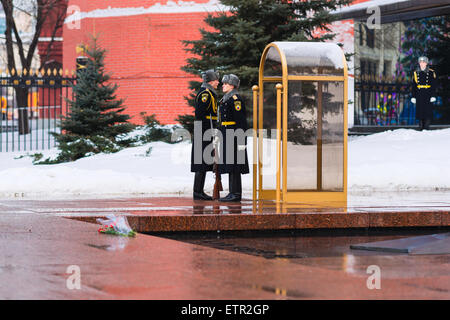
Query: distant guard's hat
x=423 y=59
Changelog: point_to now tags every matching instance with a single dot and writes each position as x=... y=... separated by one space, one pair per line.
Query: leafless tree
x=40 y=10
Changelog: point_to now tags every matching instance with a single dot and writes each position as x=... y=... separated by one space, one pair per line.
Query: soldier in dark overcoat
x=205 y=119
x=424 y=83
x=233 y=125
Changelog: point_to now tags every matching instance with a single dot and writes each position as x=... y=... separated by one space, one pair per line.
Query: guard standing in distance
x=206 y=115
x=424 y=85
x=233 y=124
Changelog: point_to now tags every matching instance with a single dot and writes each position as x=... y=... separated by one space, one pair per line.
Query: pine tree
x=418 y=40
x=240 y=35
x=96 y=118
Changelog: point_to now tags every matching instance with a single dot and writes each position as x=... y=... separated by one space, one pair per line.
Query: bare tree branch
x=58 y=25
x=43 y=10
x=7 y=8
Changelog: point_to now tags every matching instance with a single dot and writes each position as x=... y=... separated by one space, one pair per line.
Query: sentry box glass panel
x=300 y=124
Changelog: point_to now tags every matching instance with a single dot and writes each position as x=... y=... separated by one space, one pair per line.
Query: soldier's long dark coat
x=233 y=110
x=206 y=112
x=424 y=108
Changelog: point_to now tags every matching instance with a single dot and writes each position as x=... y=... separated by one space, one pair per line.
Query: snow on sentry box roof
x=309 y=54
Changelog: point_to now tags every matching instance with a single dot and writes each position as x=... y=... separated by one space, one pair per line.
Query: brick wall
x=52 y=51
x=145 y=52
x=144 y=55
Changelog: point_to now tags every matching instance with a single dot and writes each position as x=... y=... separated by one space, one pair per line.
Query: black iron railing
x=382 y=103
x=32 y=103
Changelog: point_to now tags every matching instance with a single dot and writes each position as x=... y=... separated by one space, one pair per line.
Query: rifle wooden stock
x=218 y=183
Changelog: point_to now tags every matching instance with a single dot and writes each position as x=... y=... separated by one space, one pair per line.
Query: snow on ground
x=396 y=160
x=402 y=159
x=130 y=171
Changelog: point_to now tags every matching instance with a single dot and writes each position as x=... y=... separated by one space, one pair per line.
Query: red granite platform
x=38 y=245
x=36 y=250
x=173 y=214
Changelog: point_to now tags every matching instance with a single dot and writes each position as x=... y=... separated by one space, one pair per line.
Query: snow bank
x=396 y=160
x=130 y=171
x=400 y=160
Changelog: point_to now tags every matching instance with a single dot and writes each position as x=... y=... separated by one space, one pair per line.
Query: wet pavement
x=170 y=214
x=38 y=244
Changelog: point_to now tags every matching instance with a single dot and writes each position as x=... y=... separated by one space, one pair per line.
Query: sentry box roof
x=304 y=58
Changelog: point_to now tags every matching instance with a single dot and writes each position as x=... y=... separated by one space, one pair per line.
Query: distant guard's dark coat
x=423 y=88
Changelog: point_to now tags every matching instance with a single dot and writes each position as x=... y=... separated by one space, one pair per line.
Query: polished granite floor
x=38 y=244
x=36 y=251
x=170 y=214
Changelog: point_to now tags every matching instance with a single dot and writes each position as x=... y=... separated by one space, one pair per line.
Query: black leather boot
x=199 y=184
x=421 y=125
x=424 y=124
x=235 y=185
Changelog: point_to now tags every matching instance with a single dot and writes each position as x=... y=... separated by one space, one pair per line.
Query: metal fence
x=32 y=103
x=382 y=103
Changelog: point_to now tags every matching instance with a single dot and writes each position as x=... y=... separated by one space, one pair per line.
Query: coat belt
x=228 y=123
x=423 y=86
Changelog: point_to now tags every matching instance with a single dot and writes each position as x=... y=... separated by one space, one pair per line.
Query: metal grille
x=382 y=103
x=32 y=104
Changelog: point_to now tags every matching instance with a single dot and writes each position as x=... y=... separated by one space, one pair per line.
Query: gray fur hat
x=210 y=75
x=424 y=59
x=231 y=79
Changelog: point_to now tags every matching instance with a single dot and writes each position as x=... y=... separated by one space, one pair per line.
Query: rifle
x=218 y=183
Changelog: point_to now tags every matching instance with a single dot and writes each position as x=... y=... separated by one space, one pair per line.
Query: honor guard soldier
x=424 y=85
x=206 y=117
x=233 y=124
